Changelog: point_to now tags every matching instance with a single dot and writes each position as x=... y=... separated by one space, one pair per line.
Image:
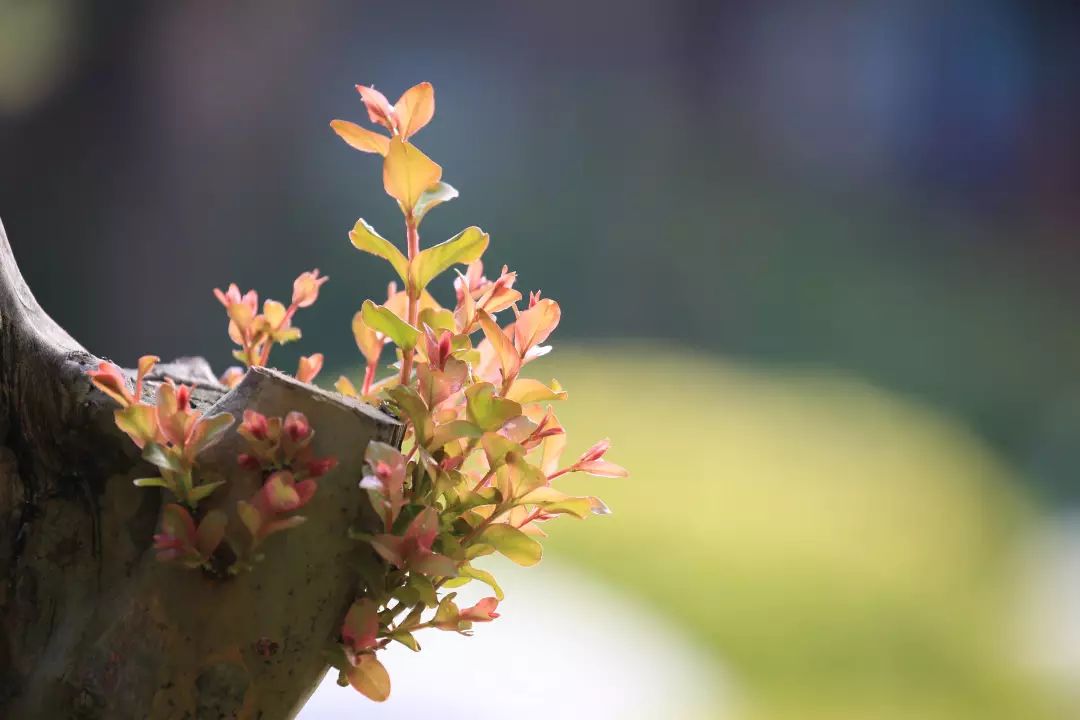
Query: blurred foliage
x=845 y=553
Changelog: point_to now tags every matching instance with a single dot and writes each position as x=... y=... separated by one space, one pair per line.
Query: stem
x=369 y=377
x=483 y=481
x=413 y=293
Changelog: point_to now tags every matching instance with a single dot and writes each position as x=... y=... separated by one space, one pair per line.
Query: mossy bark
x=91 y=625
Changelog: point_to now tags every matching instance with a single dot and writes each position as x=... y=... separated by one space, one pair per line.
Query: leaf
x=211 y=532
x=379 y=110
x=161 y=457
x=407 y=173
x=360 y=628
x=555 y=502
x=176 y=521
x=364 y=237
x=512 y=543
x=468 y=571
x=486 y=410
x=453 y=430
x=406 y=639
x=139 y=422
x=204 y=491
x=274 y=312
x=414 y=109
x=437 y=194
x=367 y=340
x=370 y=678
x=528 y=390
x=285 y=524
x=533 y=326
x=360 y=138
x=250 y=517
x=345 y=386
x=434 y=565
x=413 y=406
x=462 y=249
x=602 y=468
x=438 y=319
x=207 y=432
x=384 y=320
x=425 y=590
x=150 y=482
x=509 y=359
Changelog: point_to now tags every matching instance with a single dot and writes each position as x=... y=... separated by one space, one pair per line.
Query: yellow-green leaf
x=360 y=138
x=370 y=678
x=364 y=237
x=512 y=543
x=407 y=173
x=528 y=390
x=437 y=194
x=382 y=319
x=462 y=249
x=486 y=410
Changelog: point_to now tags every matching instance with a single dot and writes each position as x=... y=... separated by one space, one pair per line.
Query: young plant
x=482 y=446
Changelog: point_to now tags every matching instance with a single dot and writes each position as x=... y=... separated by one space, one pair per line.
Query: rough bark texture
x=91 y=625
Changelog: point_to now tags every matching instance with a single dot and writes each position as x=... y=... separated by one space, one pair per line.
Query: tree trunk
x=91 y=625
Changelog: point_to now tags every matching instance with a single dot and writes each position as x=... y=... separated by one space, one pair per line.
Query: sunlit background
x=818 y=264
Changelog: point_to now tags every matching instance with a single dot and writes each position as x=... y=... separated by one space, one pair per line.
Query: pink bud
x=248 y=462
x=297 y=426
x=255 y=424
x=318 y=468
x=183 y=398
x=306 y=288
x=596 y=451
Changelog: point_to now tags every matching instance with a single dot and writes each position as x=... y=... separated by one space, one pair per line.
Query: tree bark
x=91 y=625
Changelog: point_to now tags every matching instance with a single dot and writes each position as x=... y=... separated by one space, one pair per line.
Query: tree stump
x=91 y=624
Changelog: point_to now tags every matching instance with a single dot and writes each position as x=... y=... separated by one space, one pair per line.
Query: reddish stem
x=369 y=377
x=413 y=293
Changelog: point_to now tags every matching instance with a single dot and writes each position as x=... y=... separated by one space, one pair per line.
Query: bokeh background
x=818 y=264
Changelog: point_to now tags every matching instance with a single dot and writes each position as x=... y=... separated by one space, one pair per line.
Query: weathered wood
x=91 y=625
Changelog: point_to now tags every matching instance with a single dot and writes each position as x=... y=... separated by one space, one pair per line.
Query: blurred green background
x=817 y=262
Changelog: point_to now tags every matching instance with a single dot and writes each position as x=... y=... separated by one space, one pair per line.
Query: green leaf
x=438 y=319
x=406 y=639
x=471 y=573
x=364 y=237
x=424 y=588
x=157 y=455
x=437 y=194
x=385 y=321
x=413 y=406
x=465 y=247
x=150 y=482
x=556 y=502
x=370 y=678
x=488 y=411
x=512 y=543
x=453 y=430
x=203 y=491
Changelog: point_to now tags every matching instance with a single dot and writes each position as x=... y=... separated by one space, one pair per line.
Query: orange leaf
x=360 y=138
x=407 y=173
x=414 y=109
